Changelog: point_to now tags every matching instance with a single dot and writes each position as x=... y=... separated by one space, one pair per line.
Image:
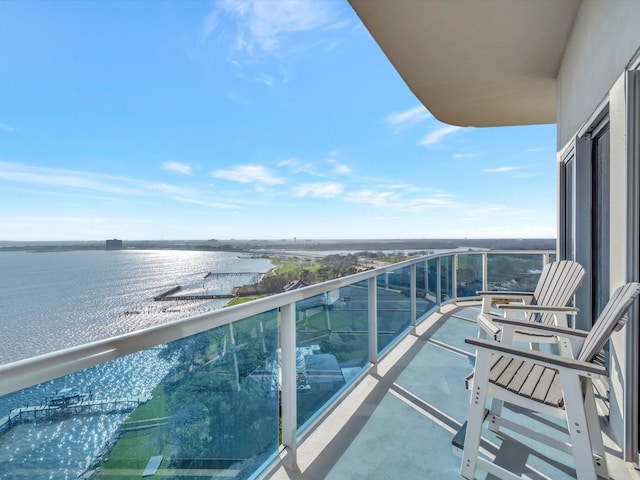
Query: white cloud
x=58 y=178
x=430 y=202
x=165 y=188
x=437 y=135
x=267 y=26
x=407 y=119
x=51 y=181
x=296 y=166
x=248 y=174
x=209 y=25
x=342 y=169
x=204 y=203
x=458 y=156
x=399 y=201
x=371 y=197
x=502 y=169
x=7 y=128
x=265 y=79
x=338 y=167
x=321 y=189
x=177 y=167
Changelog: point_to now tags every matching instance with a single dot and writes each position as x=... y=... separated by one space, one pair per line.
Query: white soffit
x=476 y=62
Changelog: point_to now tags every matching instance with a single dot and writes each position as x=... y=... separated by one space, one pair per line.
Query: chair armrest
x=540 y=328
x=545 y=359
x=539 y=308
x=486 y=323
x=560 y=314
x=569 y=340
x=488 y=296
x=506 y=294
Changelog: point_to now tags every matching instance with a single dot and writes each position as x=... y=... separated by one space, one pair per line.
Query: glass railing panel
x=421 y=279
x=394 y=306
x=399 y=279
x=518 y=272
x=425 y=302
x=332 y=332
x=203 y=405
x=468 y=274
x=446 y=278
x=432 y=280
x=222 y=402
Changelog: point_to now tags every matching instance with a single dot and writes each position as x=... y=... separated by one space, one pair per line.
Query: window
x=600 y=211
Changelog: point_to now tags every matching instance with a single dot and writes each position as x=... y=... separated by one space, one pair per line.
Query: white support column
x=373 y=324
x=632 y=398
x=485 y=272
x=624 y=345
x=413 y=295
x=288 y=382
x=438 y=282
x=234 y=356
x=454 y=277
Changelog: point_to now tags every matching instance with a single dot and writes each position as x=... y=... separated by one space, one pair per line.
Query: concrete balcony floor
x=398 y=423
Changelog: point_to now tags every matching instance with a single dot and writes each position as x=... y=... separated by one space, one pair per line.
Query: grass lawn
x=239 y=300
x=131 y=453
x=294 y=267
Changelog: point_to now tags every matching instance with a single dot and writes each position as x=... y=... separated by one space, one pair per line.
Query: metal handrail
x=31 y=371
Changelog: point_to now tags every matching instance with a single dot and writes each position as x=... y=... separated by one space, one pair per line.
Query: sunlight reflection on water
x=56 y=300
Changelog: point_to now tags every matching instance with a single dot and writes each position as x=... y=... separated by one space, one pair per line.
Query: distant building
x=114 y=244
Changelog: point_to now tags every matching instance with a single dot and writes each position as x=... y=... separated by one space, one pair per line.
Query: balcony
x=359 y=377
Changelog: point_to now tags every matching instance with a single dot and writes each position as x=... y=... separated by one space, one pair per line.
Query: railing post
x=413 y=295
x=234 y=356
x=438 y=283
x=454 y=276
x=426 y=279
x=289 y=387
x=373 y=324
x=485 y=271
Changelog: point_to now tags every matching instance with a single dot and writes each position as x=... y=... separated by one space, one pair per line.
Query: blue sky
x=265 y=119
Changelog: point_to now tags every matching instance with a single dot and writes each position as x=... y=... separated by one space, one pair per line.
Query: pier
x=70 y=405
x=170 y=294
x=194 y=297
x=162 y=296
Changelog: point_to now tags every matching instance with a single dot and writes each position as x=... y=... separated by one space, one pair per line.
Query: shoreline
x=258 y=247
x=102 y=456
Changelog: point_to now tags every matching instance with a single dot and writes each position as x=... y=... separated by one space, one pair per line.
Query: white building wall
x=604 y=42
x=605 y=37
x=621 y=375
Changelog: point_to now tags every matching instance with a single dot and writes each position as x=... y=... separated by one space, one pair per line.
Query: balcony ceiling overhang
x=476 y=62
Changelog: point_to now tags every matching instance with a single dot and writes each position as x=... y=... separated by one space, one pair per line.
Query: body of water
x=55 y=300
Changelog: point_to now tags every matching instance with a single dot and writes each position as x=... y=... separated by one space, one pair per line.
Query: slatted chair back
x=612 y=318
x=557 y=284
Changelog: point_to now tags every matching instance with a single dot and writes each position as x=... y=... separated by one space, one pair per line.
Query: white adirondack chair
x=545 y=383
x=556 y=286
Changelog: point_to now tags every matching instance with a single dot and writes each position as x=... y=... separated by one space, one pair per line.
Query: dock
x=192 y=297
x=74 y=405
x=171 y=293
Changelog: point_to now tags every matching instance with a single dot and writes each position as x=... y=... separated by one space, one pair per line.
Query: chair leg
x=595 y=433
x=494 y=414
x=476 y=416
x=578 y=426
